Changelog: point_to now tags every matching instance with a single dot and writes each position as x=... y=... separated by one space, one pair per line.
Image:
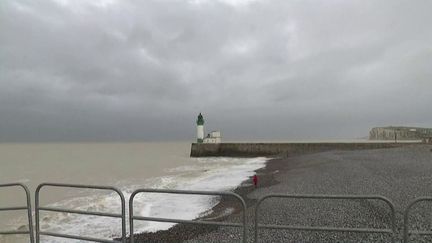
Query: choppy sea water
x=127 y=166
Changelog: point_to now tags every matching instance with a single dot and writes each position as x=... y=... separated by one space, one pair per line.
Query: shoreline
x=226 y=207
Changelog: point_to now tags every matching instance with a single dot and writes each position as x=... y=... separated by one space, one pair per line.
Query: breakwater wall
x=280 y=149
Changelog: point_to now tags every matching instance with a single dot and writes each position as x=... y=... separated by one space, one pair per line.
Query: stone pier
x=280 y=149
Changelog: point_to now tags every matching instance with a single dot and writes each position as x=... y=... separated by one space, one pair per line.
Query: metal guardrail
x=38 y=208
x=391 y=231
x=406 y=232
x=196 y=222
x=30 y=232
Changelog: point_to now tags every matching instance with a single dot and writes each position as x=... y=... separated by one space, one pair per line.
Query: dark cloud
x=258 y=69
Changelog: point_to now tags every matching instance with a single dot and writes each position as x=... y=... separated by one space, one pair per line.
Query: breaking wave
x=203 y=174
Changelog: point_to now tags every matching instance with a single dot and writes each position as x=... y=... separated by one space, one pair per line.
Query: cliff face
x=401 y=133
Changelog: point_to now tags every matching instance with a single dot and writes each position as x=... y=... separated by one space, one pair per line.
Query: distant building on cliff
x=213 y=137
x=399 y=133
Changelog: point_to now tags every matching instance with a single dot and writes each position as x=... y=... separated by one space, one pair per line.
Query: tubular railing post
x=38 y=209
x=244 y=219
x=329 y=229
x=123 y=219
x=186 y=192
x=29 y=212
x=256 y=219
x=37 y=212
x=28 y=208
x=131 y=219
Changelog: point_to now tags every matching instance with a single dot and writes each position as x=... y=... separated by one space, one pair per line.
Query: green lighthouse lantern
x=200 y=128
x=200 y=120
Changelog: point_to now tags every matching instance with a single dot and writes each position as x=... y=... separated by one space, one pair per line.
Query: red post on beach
x=255 y=180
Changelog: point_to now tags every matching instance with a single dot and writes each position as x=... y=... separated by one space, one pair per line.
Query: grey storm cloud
x=101 y=70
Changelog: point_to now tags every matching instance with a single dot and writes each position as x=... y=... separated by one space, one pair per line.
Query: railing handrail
x=28 y=208
x=94 y=187
x=391 y=231
x=34 y=232
x=186 y=192
x=406 y=231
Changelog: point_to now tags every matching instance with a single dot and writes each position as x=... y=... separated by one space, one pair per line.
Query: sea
x=127 y=166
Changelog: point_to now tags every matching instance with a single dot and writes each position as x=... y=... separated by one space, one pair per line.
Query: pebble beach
x=399 y=174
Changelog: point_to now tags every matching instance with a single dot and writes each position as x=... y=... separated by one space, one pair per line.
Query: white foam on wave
x=208 y=174
x=221 y=174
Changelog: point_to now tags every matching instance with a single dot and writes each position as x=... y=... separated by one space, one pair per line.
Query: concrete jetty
x=281 y=149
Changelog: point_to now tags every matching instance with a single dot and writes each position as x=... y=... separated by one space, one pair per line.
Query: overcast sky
x=118 y=70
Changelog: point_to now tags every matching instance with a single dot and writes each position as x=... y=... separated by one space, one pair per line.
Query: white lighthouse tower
x=200 y=128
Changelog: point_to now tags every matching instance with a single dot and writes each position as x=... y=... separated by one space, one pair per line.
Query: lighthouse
x=213 y=137
x=200 y=128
